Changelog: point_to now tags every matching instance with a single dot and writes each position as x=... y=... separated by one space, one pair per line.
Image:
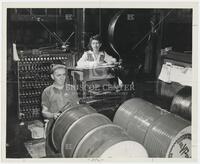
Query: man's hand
x=56 y=115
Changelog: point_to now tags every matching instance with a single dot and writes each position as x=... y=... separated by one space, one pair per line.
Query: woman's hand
x=111 y=62
x=93 y=64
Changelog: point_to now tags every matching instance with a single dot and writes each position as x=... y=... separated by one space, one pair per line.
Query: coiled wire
x=155 y=128
x=182 y=103
x=65 y=120
x=79 y=129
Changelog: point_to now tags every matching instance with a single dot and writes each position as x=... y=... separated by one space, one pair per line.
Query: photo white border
x=103 y=4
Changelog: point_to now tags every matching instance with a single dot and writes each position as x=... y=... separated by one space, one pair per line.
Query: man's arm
x=48 y=114
x=46 y=104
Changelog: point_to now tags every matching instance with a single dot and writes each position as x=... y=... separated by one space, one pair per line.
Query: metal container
x=136 y=116
x=65 y=120
x=163 y=134
x=100 y=139
x=125 y=149
x=182 y=103
x=79 y=129
x=168 y=137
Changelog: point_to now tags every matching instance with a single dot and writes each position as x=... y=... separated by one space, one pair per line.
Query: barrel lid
x=93 y=131
x=180 y=146
x=125 y=149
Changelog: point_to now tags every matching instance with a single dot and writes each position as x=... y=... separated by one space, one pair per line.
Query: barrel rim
x=72 y=126
x=154 y=124
x=55 y=123
x=121 y=108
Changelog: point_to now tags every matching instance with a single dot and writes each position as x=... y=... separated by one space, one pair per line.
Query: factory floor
x=18 y=134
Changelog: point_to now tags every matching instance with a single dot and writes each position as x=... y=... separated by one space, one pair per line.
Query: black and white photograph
x=100 y=82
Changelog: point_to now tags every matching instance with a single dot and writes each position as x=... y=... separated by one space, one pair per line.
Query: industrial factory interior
x=99 y=83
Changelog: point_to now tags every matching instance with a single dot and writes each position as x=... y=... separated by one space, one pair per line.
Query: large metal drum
x=79 y=129
x=101 y=140
x=136 y=116
x=170 y=136
x=125 y=149
x=127 y=31
x=182 y=103
x=155 y=128
x=65 y=120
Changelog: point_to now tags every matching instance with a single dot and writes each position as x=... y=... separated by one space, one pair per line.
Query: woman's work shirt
x=55 y=99
x=89 y=59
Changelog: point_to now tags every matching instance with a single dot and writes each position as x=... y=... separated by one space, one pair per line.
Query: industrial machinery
x=33 y=75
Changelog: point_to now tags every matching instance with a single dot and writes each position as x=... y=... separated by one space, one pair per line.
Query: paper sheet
x=165 y=73
x=37 y=130
x=172 y=73
x=36 y=149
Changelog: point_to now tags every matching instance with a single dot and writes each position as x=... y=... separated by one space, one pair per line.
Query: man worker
x=54 y=98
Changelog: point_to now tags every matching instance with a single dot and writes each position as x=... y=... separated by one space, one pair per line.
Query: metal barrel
x=65 y=120
x=182 y=103
x=156 y=129
x=100 y=139
x=79 y=129
x=125 y=149
x=136 y=116
x=170 y=136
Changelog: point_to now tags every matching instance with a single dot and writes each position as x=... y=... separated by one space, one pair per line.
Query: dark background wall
x=174 y=28
x=177 y=29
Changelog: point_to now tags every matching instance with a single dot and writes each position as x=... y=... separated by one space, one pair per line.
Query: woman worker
x=94 y=56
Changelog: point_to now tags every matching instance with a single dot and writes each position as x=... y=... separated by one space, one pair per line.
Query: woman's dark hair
x=95 y=37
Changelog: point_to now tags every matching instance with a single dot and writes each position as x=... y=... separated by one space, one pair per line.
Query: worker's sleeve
x=83 y=61
x=45 y=99
x=109 y=59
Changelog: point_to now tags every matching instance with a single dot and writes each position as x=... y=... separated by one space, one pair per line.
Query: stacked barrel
x=82 y=132
x=140 y=129
x=162 y=133
x=182 y=103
